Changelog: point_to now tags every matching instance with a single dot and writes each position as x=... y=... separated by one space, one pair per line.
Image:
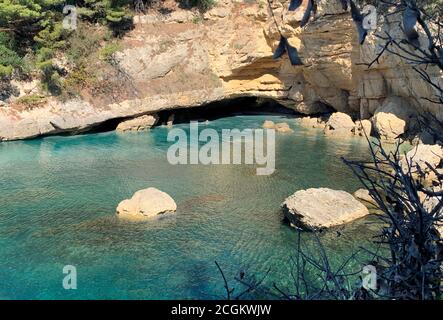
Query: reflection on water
x=59 y=194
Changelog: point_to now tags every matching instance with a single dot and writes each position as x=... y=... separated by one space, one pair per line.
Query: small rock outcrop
x=138 y=124
x=363 y=128
x=312 y=122
x=392 y=119
x=339 y=123
x=314 y=209
x=421 y=155
x=281 y=127
x=146 y=203
x=268 y=124
x=170 y=121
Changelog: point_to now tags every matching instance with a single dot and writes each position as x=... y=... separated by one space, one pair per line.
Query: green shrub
x=9 y=58
x=31 y=100
x=108 y=51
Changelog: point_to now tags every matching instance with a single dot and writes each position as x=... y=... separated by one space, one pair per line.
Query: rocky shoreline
x=228 y=54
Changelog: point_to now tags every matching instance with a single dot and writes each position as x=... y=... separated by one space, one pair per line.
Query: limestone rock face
x=174 y=61
x=146 y=203
x=138 y=124
x=320 y=208
x=392 y=119
x=339 y=123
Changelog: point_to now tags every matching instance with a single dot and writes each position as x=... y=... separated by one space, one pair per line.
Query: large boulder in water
x=314 y=209
x=148 y=202
x=339 y=123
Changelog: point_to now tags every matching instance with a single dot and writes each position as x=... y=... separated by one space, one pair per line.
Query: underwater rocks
x=138 y=124
x=146 y=203
x=309 y=122
x=339 y=124
x=281 y=127
x=320 y=208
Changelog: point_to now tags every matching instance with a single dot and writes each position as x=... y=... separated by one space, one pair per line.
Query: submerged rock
x=138 y=124
x=312 y=122
x=320 y=208
x=148 y=202
x=268 y=124
x=283 y=127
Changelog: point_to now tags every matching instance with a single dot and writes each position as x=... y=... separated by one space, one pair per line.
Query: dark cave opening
x=226 y=108
x=211 y=111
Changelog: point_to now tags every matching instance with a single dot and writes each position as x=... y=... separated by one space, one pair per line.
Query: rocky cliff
x=180 y=59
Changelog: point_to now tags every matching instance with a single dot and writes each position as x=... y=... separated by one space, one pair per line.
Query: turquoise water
x=58 y=197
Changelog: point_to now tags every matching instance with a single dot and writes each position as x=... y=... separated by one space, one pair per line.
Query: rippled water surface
x=58 y=197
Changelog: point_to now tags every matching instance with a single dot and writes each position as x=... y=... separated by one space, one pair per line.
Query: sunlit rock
x=138 y=124
x=146 y=203
x=321 y=208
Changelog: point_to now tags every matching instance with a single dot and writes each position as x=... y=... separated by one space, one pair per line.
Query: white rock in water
x=314 y=209
x=283 y=127
x=339 y=123
x=309 y=122
x=148 y=202
x=268 y=124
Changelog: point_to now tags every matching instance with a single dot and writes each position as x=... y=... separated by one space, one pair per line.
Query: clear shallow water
x=58 y=197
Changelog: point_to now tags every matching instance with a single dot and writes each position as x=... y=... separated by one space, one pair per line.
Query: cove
x=58 y=197
x=248 y=142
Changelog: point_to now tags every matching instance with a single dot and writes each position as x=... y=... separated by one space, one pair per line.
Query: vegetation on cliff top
x=32 y=37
